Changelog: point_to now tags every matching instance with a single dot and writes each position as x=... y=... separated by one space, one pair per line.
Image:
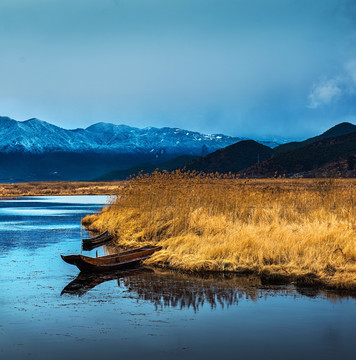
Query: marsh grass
x=38 y=188
x=295 y=229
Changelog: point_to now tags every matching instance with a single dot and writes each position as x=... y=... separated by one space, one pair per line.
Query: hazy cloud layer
x=257 y=67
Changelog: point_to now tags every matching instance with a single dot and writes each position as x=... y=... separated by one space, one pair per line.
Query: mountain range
x=325 y=156
x=36 y=136
x=337 y=130
x=333 y=152
x=37 y=150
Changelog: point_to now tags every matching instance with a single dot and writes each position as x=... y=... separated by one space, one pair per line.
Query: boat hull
x=124 y=260
x=89 y=244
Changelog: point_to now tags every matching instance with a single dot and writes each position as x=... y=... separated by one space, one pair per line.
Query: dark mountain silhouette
x=337 y=130
x=317 y=158
x=232 y=158
x=331 y=152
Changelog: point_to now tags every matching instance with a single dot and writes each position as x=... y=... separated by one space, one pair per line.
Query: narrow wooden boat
x=123 y=260
x=91 y=243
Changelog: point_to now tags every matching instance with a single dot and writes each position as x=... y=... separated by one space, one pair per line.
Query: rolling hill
x=319 y=158
x=233 y=158
x=337 y=130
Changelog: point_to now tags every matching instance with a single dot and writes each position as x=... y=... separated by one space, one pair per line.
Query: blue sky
x=251 y=68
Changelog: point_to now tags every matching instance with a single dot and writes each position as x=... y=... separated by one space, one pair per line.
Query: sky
x=256 y=68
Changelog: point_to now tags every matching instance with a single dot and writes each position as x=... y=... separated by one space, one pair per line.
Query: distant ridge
x=332 y=152
x=233 y=158
x=319 y=158
x=337 y=130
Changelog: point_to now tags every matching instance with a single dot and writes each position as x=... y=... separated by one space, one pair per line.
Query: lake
x=47 y=311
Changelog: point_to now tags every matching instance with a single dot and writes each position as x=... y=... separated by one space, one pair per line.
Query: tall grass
x=294 y=228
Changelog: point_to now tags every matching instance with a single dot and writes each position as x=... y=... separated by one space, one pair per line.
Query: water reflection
x=87 y=281
x=165 y=288
x=171 y=289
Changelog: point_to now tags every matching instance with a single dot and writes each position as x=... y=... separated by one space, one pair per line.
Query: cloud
x=333 y=89
x=324 y=93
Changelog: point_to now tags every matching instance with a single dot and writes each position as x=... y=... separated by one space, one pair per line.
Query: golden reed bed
x=301 y=230
x=39 y=188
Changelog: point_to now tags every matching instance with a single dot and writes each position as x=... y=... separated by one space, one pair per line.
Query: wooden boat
x=89 y=244
x=123 y=260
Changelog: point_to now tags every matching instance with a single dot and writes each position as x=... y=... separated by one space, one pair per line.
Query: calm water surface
x=47 y=311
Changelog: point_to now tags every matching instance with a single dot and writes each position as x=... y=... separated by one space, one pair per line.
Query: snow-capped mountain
x=36 y=136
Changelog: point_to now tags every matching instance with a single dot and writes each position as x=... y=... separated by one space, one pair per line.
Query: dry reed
x=39 y=188
x=298 y=229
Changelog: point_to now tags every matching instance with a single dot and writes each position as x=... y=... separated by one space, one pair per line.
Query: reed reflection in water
x=165 y=288
x=171 y=289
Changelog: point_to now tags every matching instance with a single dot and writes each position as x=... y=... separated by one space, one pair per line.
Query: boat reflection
x=87 y=281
